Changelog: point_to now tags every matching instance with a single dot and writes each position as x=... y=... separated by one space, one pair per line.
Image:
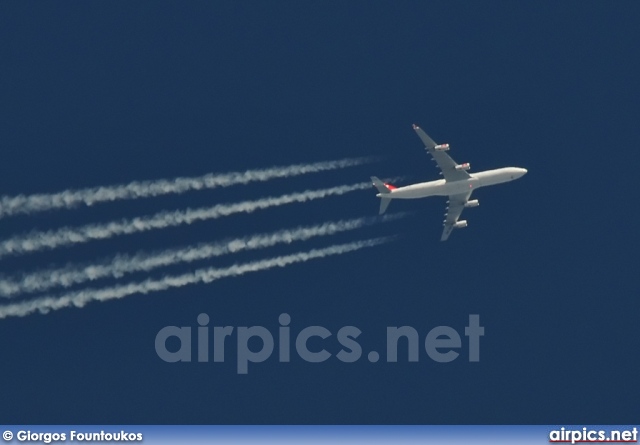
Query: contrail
x=65 y=236
x=82 y=297
x=122 y=264
x=68 y=199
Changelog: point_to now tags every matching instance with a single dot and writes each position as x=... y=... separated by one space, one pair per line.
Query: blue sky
x=104 y=93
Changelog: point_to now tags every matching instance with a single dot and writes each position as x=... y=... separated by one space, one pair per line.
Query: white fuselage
x=441 y=187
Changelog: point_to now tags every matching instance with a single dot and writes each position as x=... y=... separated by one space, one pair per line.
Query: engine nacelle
x=460 y=224
x=441 y=147
x=472 y=203
x=465 y=166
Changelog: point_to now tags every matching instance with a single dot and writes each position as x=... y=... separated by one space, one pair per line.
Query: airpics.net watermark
x=441 y=344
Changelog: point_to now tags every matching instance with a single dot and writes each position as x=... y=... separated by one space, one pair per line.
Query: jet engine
x=465 y=166
x=460 y=224
x=472 y=203
x=441 y=147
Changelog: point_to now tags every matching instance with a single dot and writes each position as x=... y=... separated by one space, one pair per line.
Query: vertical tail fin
x=384 y=189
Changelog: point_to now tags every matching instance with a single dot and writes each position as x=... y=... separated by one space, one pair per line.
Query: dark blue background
x=97 y=93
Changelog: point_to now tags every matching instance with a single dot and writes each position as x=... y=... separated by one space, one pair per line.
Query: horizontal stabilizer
x=384 y=203
x=382 y=187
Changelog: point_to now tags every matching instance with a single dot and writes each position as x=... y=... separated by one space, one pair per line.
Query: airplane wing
x=456 y=206
x=444 y=161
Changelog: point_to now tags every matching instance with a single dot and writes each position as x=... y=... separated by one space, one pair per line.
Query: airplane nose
x=524 y=171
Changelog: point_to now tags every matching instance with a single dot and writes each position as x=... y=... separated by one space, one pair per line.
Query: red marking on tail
x=390 y=186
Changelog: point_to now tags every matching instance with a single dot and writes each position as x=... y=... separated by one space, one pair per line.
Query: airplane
x=457 y=184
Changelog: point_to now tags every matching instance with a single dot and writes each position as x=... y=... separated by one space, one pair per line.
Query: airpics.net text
x=441 y=344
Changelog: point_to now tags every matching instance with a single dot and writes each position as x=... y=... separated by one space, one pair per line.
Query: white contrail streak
x=82 y=297
x=122 y=264
x=65 y=236
x=68 y=199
